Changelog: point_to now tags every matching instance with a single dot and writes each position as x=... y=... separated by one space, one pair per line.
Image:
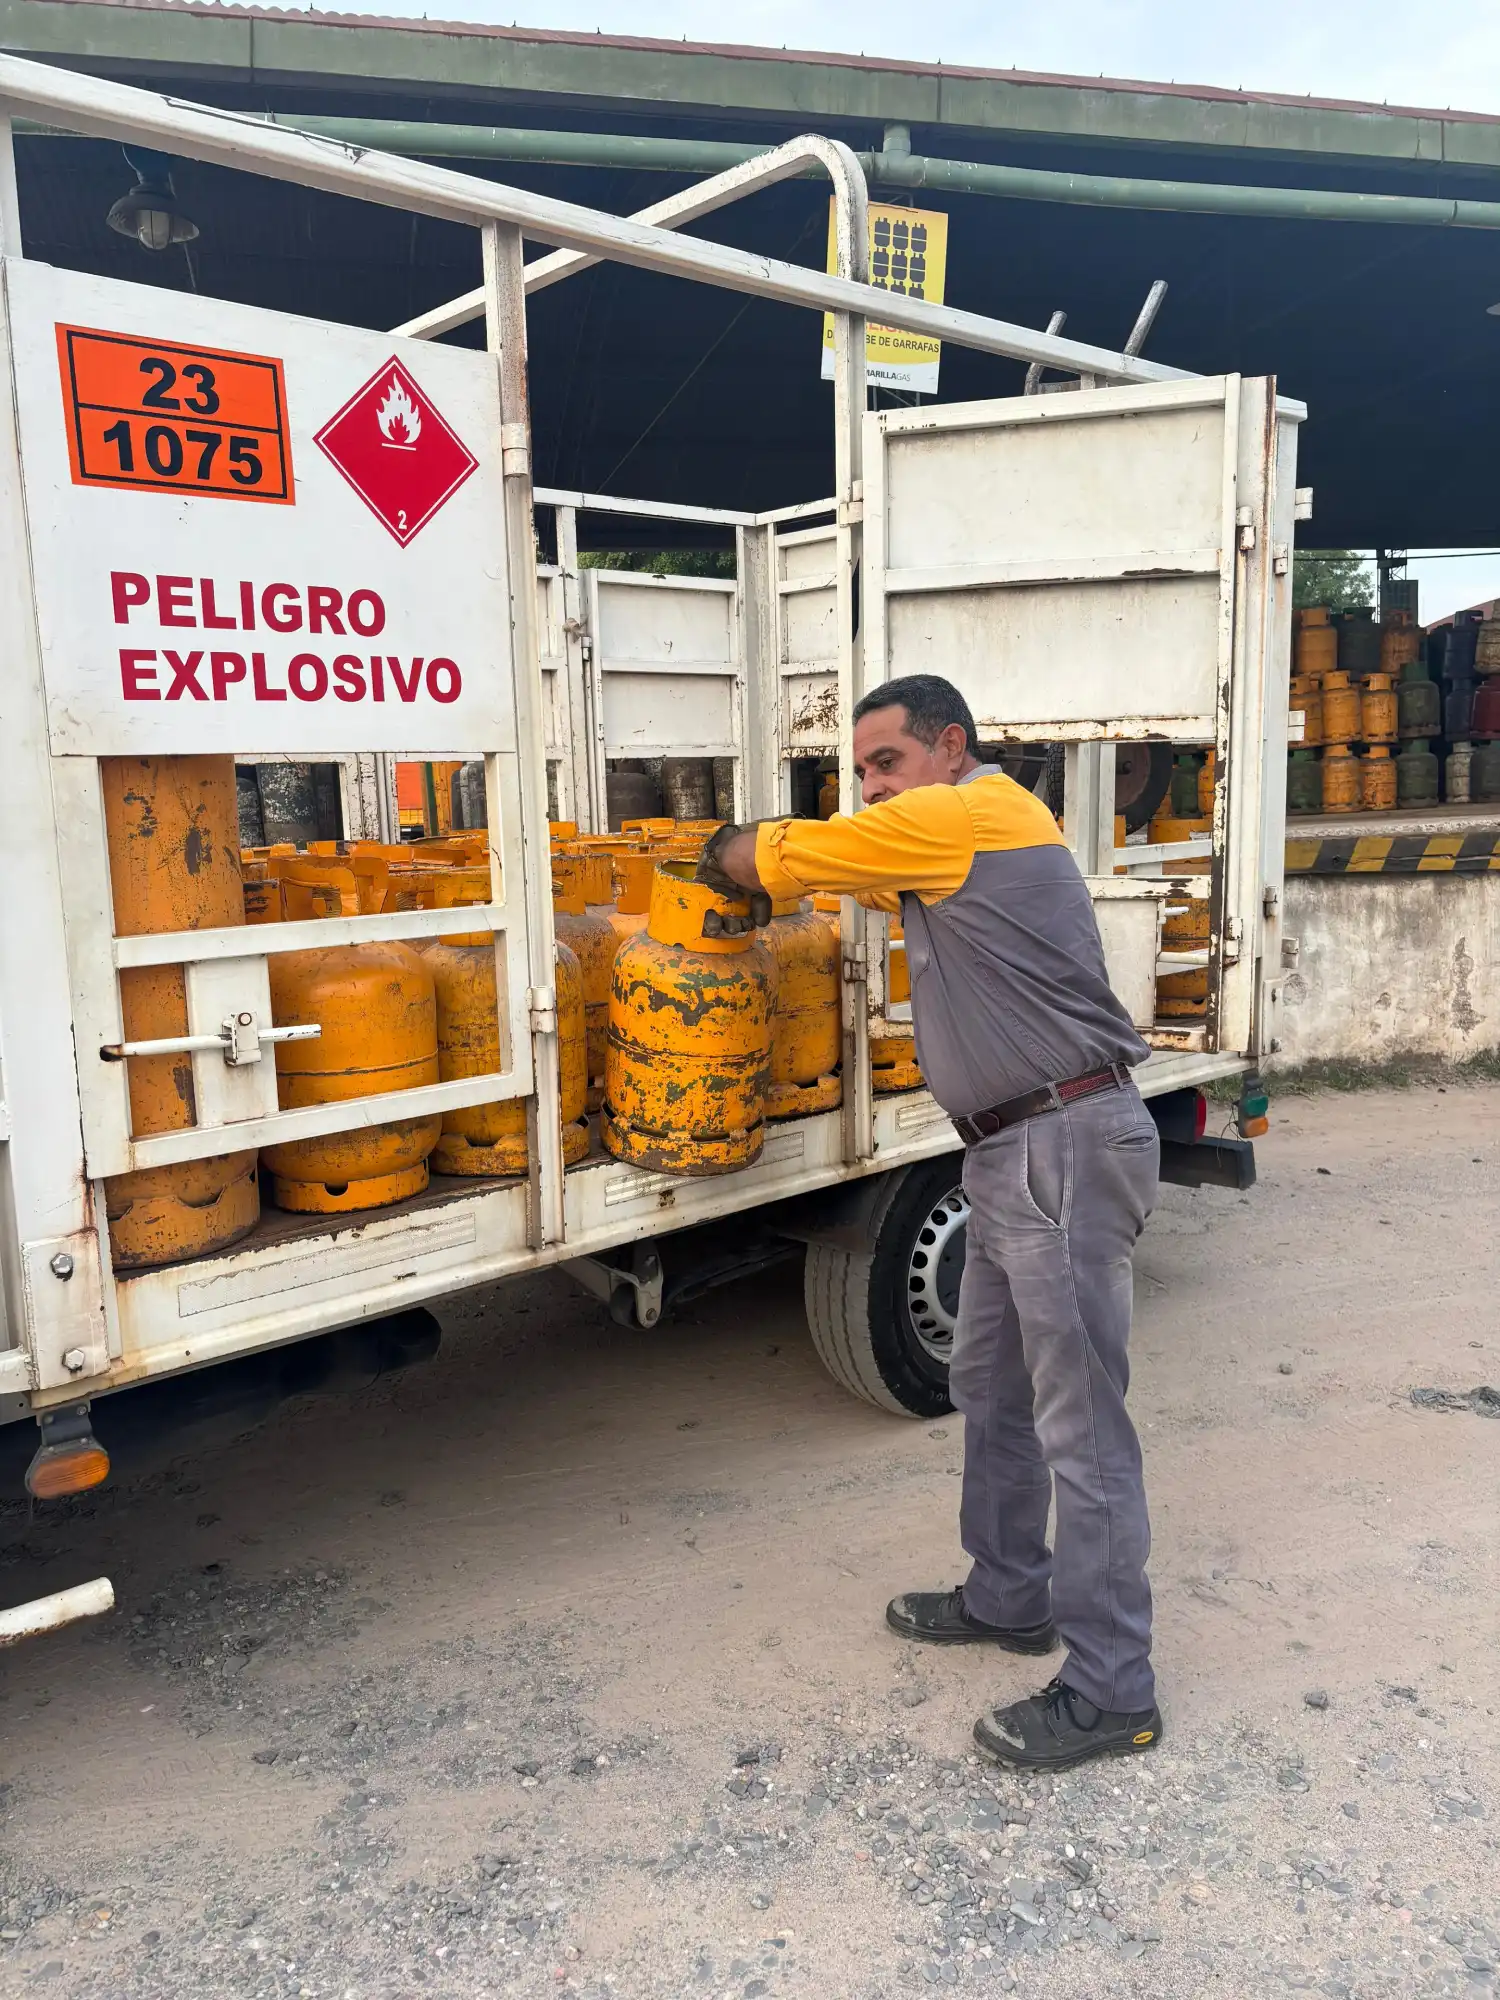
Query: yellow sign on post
x=909 y=254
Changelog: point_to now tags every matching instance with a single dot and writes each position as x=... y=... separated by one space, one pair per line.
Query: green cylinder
x=1484 y=773
x=1417 y=775
x=1185 y=784
x=1304 y=783
x=1419 y=707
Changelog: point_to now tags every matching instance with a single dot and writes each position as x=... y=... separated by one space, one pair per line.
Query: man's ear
x=954 y=742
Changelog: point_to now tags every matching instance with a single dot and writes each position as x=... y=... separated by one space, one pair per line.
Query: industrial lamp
x=150 y=212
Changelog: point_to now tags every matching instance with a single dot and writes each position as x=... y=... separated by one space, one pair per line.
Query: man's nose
x=872 y=791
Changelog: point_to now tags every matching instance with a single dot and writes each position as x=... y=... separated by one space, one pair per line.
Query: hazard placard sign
x=363 y=604
x=153 y=413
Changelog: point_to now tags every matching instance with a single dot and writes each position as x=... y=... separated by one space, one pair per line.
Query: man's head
x=916 y=731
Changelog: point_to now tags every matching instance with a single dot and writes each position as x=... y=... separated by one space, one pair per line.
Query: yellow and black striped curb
x=1475 y=853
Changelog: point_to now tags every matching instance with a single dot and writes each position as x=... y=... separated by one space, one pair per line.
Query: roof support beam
x=229 y=139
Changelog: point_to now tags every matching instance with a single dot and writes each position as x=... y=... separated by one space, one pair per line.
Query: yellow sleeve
x=888 y=900
x=921 y=841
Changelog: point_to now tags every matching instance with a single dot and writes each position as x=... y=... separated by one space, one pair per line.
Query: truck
x=225 y=536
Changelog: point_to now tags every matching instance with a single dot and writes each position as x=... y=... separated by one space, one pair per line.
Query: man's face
x=888 y=759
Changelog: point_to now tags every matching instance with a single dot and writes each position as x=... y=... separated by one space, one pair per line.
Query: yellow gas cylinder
x=1166 y=830
x=1307 y=695
x=828 y=795
x=893 y=1058
x=1400 y=642
x=1182 y=995
x=172 y=828
x=563 y=829
x=591 y=937
x=1315 y=647
x=898 y=972
x=376 y=1006
x=1377 y=779
x=597 y=875
x=893 y=1047
x=806 y=1032
x=1340 y=779
x=1377 y=709
x=633 y=876
x=262 y=894
x=648 y=829
x=491 y=1138
x=1340 y=709
x=689 y=1034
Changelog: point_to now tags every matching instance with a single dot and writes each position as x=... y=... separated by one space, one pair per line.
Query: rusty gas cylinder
x=1400 y=641
x=1377 y=779
x=633 y=876
x=172 y=829
x=1340 y=779
x=592 y=939
x=491 y=1138
x=1184 y=995
x=1316 y=643
x=1377 y=710
x=1340 y=709
x=690 y=1017
x=805 y=1037
x=377 y=1009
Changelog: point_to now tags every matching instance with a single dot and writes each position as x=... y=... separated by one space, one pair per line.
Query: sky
x=1446 y=56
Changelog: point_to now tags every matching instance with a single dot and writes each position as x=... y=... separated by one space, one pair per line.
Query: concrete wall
x=1391 y=965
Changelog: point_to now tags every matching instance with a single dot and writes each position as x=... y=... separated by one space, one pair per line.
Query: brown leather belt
x=1051 y=1097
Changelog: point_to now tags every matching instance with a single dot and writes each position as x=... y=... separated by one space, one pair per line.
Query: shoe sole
x=1036 y=1648
x=1063 y=1763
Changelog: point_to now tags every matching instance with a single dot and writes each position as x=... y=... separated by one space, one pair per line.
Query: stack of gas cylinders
x=1370 y=712
x=681 y=1024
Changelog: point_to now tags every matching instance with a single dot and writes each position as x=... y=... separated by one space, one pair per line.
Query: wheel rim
x=933 y=1272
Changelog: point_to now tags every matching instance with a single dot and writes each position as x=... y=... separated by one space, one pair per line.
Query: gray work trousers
x=1039 y=1374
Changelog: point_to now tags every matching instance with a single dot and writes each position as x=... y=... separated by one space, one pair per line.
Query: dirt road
x=557 y=1665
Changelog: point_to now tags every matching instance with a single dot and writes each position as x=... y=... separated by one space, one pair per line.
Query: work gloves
x=713 y=877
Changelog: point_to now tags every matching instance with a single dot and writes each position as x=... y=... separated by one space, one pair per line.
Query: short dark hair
x=932 y=705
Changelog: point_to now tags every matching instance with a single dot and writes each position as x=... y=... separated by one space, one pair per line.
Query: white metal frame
x=321 y=1275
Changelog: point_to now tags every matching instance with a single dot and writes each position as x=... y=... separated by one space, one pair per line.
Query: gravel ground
x=557 y=1665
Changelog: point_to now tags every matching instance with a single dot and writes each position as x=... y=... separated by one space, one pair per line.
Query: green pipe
x=502 y=142
x=911 y=170
x=892 y=168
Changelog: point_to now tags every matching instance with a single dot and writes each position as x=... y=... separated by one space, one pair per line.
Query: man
x=1027 y=1049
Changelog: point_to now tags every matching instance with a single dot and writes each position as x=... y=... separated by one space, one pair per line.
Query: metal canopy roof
x=650 y=385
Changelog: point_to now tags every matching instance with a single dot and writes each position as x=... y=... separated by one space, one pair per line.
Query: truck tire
x=882 y=1317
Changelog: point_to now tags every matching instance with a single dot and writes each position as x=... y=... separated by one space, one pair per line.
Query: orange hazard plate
x=157 y=414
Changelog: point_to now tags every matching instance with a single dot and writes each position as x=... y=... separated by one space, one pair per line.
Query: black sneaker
x=1059 y=1727
x=940 y=1617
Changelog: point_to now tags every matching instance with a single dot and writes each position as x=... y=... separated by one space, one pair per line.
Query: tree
x=1339 y=578
x=662 y=562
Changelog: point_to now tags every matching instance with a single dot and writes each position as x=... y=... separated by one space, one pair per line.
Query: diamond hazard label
x=396 y=451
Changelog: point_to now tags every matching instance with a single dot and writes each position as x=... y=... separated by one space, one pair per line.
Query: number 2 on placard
x=401 y=519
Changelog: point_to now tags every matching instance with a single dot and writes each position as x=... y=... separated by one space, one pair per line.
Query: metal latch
x=856 y=965
x=240 y=1040
x=1234 y=932
x=1245 y=522
x=1302 y=503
